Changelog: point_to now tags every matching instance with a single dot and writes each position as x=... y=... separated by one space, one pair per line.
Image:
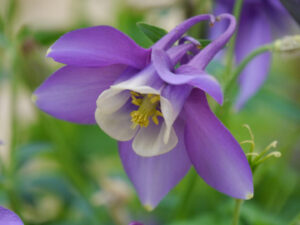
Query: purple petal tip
x=8 y=217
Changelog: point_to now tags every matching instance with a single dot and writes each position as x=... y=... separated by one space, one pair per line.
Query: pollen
x=34 y=98
x=149 y=107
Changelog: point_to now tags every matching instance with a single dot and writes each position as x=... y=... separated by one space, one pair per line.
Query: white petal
x=171 y=102
x=117 y=124
x=145 y=82
x=112 y=100
x=169 y=116
x=149 y=141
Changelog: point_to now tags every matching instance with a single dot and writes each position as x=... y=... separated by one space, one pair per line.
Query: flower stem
x=244 y=63
x=223 y=111
x=186 y=197
x=230 y=52
x=237 y=210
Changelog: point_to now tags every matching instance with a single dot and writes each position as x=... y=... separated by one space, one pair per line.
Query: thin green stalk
x=10 y=12
x=182 y=209
x=244 y=63
x=237 y=210
x=230 y=52
x=223 y=112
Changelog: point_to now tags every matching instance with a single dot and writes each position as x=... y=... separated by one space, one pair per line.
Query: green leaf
x=46 y=38
x=204 y=42
x=152 y=32
x=32 y=185
x=31 y=150
x=127 y=19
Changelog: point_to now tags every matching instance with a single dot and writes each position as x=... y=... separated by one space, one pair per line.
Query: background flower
x=258 y=20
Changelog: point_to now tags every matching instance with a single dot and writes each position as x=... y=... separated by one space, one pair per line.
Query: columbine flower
x=159 y=115
x=258 y=17
x=8 y=217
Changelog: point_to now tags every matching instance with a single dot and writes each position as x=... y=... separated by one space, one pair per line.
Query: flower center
x=148 y=107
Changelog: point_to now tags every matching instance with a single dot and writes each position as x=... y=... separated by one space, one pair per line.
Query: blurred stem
x=237 y=210
x=230 y=52
x=72 y=172
x=11 y=8
x=223 y=112
x=183 y=205
x=244 y=63
x=189 y=8
x=227 y=76
x=11 y=67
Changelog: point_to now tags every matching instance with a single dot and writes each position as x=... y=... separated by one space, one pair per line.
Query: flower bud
x=288 y=44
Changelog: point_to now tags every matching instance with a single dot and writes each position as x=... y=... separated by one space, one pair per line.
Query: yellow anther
x=155 y=98
x=155 y=120
x=136 y=101
x=148 y=107
x=134 y=94
x=158 y=113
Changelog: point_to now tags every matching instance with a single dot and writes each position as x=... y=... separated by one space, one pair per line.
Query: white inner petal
x=170 y=116
x=112 y=100
x=113 y=115
x=117 y=124
x=149 y=141
x=142 y=82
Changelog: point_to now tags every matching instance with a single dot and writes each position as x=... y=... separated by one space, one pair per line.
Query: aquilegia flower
x=8 y=217
x=159 y=114
x=258 y=17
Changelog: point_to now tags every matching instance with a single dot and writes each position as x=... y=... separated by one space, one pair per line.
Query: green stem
x=222 y=112
x=237 y=210
x=71 y=171
x=244 y=63
x=183 y=205
x=230 y=52
x=10 y=12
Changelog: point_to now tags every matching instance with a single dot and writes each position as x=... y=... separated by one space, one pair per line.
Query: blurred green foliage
x=56 y=169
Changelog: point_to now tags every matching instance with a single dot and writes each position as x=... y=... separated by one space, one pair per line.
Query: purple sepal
x=169 y=39
x=98 y=46
x=214 y=152
x=154 y=177
x=71 y=92
x=8 y=217
x=186 y=75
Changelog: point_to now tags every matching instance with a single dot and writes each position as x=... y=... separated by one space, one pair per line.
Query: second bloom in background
x=257 y=20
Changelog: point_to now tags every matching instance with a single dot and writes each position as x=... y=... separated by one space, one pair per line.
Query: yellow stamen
x=148 y=107
x=136 y=101
x=135 y=94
